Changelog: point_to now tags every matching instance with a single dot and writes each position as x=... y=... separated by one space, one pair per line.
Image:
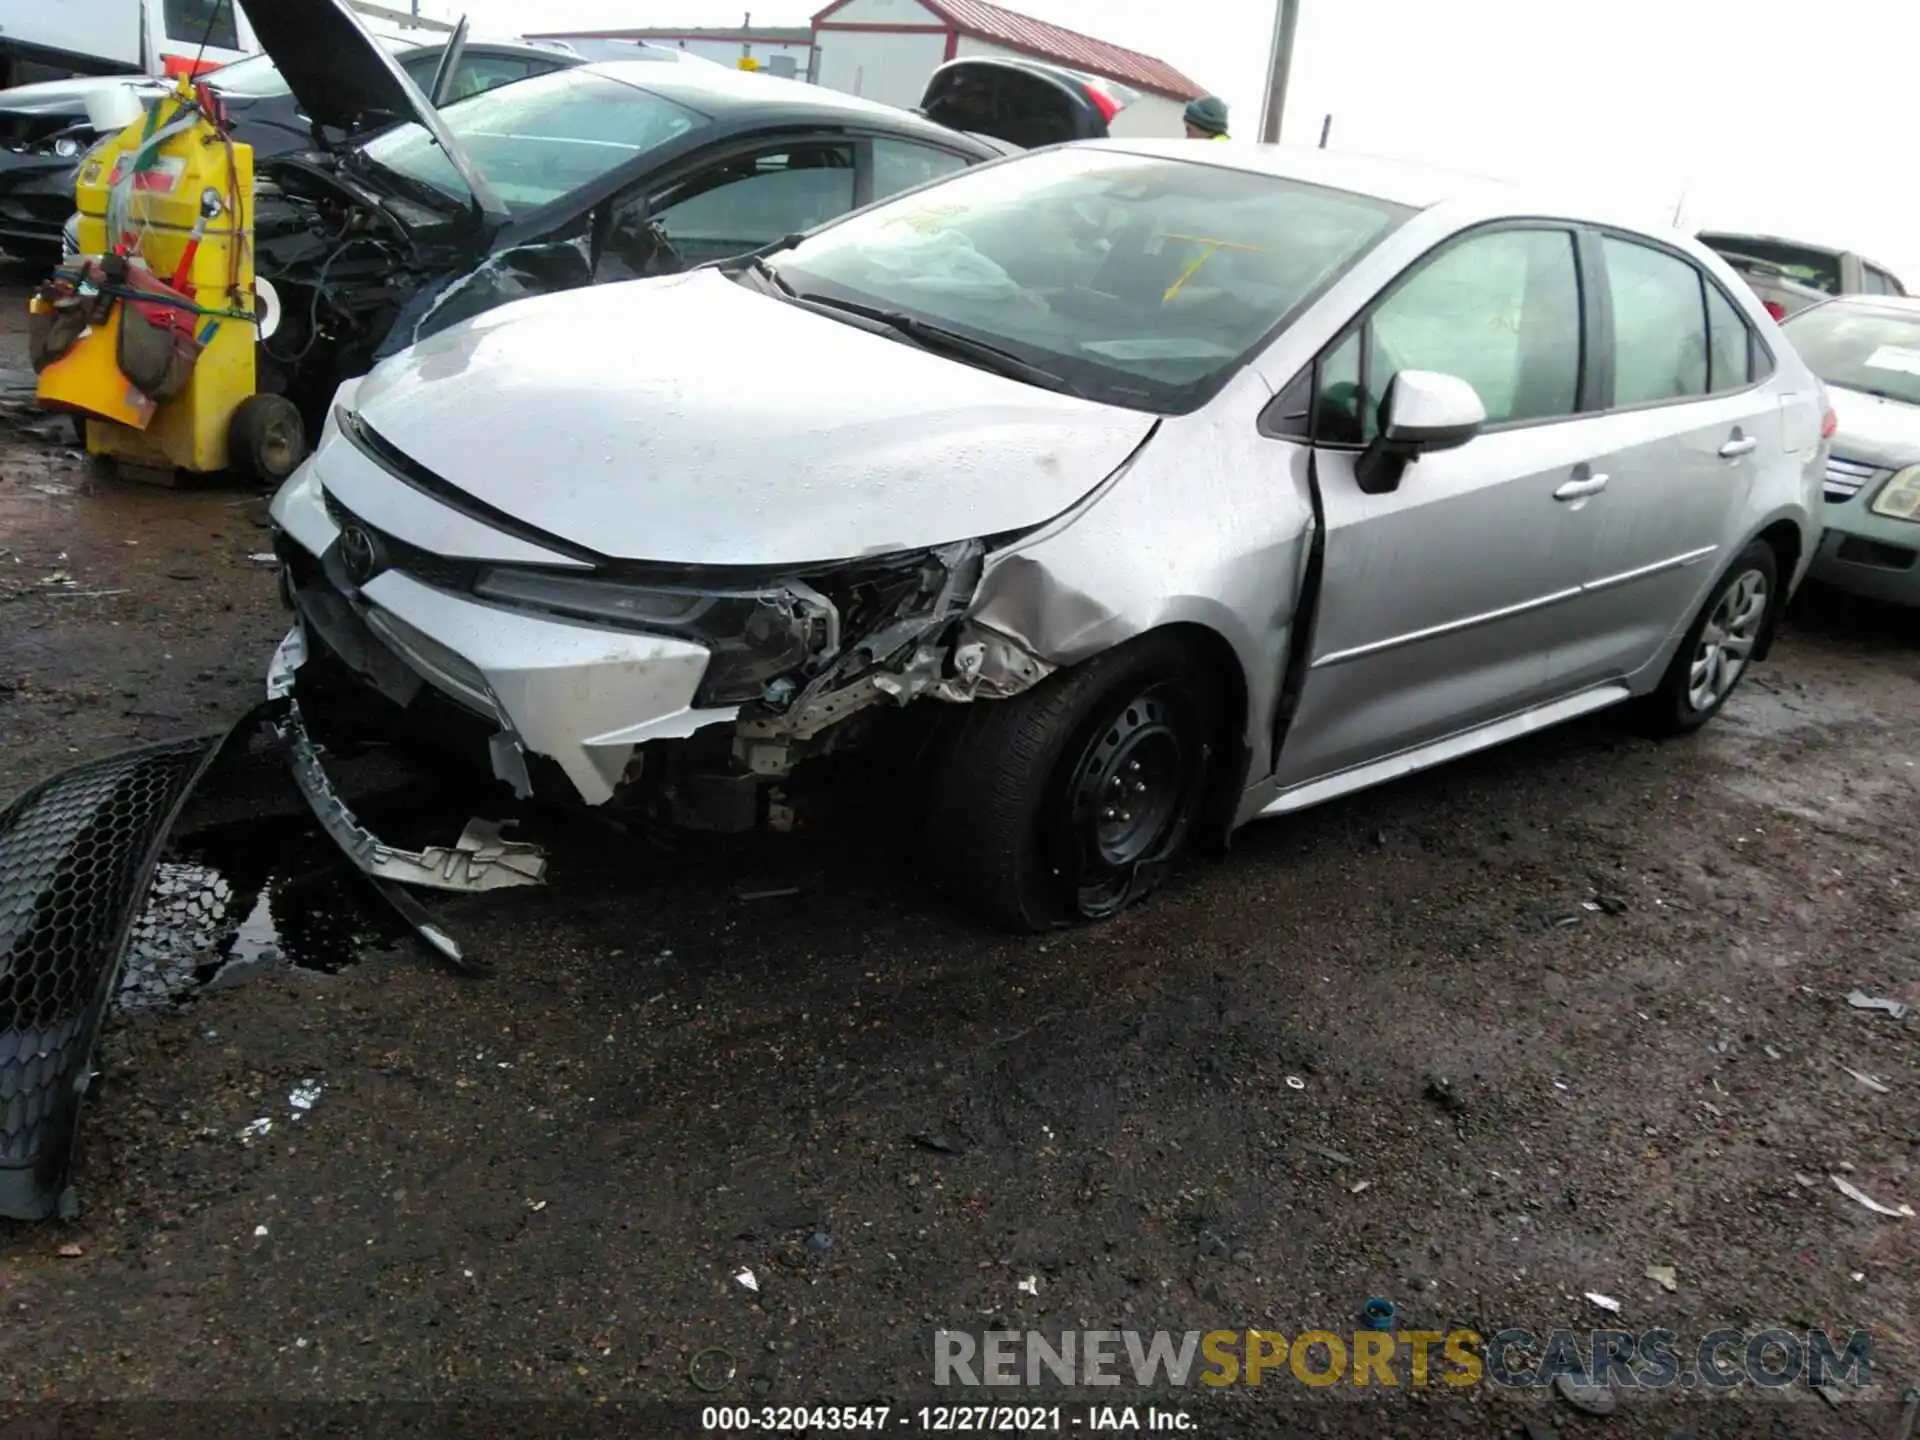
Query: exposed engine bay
x=344 y=260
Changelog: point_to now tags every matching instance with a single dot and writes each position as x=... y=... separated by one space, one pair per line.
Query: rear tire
x=1718 y=649
x=1070 y=801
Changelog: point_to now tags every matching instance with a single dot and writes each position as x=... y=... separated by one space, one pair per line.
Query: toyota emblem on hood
x=360 y=554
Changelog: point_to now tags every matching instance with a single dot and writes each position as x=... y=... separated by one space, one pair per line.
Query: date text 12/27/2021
x=944 y=1419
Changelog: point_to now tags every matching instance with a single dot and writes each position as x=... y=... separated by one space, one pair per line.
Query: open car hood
x=344 y=79
x=1027 y=103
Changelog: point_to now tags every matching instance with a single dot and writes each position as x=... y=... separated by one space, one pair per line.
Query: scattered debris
x=1872 y=1082
x=304 y=1096
x=1588 y=1399
x=1664 y=1276
x=1832 y=1394
x=1605 y=1302
x=819 y=1243
x=780 y=894
x=264 y=557
x=1860 y=1000
x=1805 y=1182
x=259 y=1232
x=1378 y=1314
x=746 y=1279
x=70 y=1251
x=51 y=487
x=702 y=1368
x=1612 y=904
x=1358 y=1186
x=1910 y=1417
x=1440 y=1091
x=253 y=1129
x=1857 y=1195
x=1771 y=1053
x=938 y=1143
x=1030 y=1285
x=536 y=1206
x=1325 y=1154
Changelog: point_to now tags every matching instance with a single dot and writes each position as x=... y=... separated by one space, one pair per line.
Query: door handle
x=1734 y=449
x=1580 y=489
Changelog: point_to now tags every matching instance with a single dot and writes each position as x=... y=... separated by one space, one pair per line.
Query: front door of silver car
x=1442 y=598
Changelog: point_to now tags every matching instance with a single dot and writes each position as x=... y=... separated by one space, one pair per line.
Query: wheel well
x=1783 y=538
x=1227 y=770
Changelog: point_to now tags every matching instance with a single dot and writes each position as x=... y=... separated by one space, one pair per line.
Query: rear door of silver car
x=1690 y=419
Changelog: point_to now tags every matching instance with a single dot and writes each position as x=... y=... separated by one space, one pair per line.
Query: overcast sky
x=1791 y=121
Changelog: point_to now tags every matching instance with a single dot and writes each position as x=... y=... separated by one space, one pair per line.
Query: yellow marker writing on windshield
x=1193 y=266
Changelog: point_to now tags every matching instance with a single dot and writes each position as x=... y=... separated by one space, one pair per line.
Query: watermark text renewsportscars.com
x=1721 y=1359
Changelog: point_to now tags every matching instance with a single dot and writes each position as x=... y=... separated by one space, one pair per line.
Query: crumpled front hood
x=1875 y=431
x=693 y=421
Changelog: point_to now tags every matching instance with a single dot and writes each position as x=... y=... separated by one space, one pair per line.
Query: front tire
x=1718 y=649
x=1070 y=801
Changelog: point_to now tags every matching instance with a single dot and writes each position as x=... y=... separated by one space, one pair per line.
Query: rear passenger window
x=900 y=165
x=1729 y=344
x=1659 y=325
x=1500 y=311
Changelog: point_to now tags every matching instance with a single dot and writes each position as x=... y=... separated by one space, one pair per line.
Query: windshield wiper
x=758 y=265
x=929 y=336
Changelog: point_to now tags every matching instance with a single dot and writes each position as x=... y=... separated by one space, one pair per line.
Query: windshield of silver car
x=1143 y=281
x=539 y=139
x=1861 y=347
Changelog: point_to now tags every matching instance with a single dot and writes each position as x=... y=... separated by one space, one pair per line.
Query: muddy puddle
x=236 y=901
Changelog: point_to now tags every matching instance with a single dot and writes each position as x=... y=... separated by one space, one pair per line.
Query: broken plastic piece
x=1664 y=1276
x=1872 y=1082
x=1858 y=1196
x=747 y=1280
x=1605 y=1302
x=1860 y=1000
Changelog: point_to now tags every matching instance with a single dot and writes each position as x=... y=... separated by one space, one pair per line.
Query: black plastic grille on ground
x=76 y=854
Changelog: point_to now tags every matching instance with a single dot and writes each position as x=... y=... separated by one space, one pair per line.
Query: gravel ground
x=1481 y=1042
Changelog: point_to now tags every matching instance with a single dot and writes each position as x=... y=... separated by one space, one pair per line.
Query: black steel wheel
x=1130 y=796
x=1069 y=802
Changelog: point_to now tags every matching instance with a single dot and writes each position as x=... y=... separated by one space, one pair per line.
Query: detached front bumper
x=583 y=696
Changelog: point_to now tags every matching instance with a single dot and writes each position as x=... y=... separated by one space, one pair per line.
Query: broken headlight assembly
x=754 y=636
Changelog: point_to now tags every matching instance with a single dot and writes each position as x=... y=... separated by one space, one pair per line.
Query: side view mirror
x=1422 y=411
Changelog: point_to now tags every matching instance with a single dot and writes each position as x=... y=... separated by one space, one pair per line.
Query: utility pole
x=1285 y=19
x=1326 y=129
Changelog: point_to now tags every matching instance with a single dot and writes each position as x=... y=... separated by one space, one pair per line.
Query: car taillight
x=1830 y=424
x=1775 y=309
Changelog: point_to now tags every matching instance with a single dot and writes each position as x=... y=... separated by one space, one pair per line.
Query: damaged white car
x=1183 y=483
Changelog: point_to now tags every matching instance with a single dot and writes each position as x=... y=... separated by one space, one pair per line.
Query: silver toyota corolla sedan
x=1867 y=348
x=1166 y=486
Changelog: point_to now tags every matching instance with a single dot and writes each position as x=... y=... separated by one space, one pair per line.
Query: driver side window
x=727 y=208
x=1501 y=311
